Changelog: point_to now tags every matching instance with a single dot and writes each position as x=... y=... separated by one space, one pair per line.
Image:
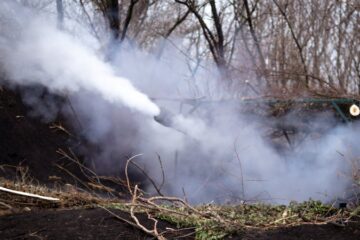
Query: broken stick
x=29 y=194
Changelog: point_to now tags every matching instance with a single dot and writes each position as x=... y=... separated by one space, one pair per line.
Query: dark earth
x=29 y=142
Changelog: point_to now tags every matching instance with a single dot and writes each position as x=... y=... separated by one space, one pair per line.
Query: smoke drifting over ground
x=218 y=154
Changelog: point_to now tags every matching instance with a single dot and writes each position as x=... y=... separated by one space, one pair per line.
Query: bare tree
x=128 y=18
x=285 y=46
x=215 y=38
x=112 y=10
x=299 y=46
x=60 y=13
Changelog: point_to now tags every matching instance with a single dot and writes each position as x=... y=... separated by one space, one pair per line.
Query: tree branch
x=299 y=47
x=128 y=19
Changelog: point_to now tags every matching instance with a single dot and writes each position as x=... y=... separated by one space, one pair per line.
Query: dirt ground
x=75 y=224
x=307 y=232
x=98 y=224
x=66 y=224
x=32 y=144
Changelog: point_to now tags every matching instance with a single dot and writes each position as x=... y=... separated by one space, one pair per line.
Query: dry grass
x=69 y=195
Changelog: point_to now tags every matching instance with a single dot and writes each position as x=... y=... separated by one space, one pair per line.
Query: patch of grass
x=209 y=224
x=205 y=228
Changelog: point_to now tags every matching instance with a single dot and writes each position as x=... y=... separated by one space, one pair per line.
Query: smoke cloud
x=215 y=152
x=39 y=53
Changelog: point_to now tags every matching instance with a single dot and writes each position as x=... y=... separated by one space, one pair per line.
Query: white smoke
x=220 y=153
x=210 y=168
x=44 y=55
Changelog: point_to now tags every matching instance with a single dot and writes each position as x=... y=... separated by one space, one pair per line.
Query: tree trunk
x=60 y=13
x=112 y=13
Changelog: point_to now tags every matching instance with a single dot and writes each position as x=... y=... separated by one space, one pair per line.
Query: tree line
x=281 y=46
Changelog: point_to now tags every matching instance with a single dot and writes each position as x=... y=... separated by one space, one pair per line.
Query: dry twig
x=6 y=205
x=130 y=160
x=29 y=194
x=61 y=128
x=153 y=232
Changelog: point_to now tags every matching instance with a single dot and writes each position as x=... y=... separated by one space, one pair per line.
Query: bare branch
x=29 y=194
x=128 y=19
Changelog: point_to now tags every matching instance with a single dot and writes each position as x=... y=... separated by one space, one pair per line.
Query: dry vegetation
x=204 y=221
x=209 y=221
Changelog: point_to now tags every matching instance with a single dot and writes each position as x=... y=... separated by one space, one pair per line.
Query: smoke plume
x=34 y=51
x=212 y=152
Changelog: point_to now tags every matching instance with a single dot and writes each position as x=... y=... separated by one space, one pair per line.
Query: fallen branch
x=146 y=175
x=29 y=194
x=153 y=232
x=6 y=205
x=127 y=174
x=76 y=178
x=162 y=172
x=60 y=128
x=125 y=220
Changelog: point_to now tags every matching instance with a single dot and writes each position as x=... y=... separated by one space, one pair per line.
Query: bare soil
x=307 y=232
x=30 y=143
x=75 y=224
x=98 y=224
